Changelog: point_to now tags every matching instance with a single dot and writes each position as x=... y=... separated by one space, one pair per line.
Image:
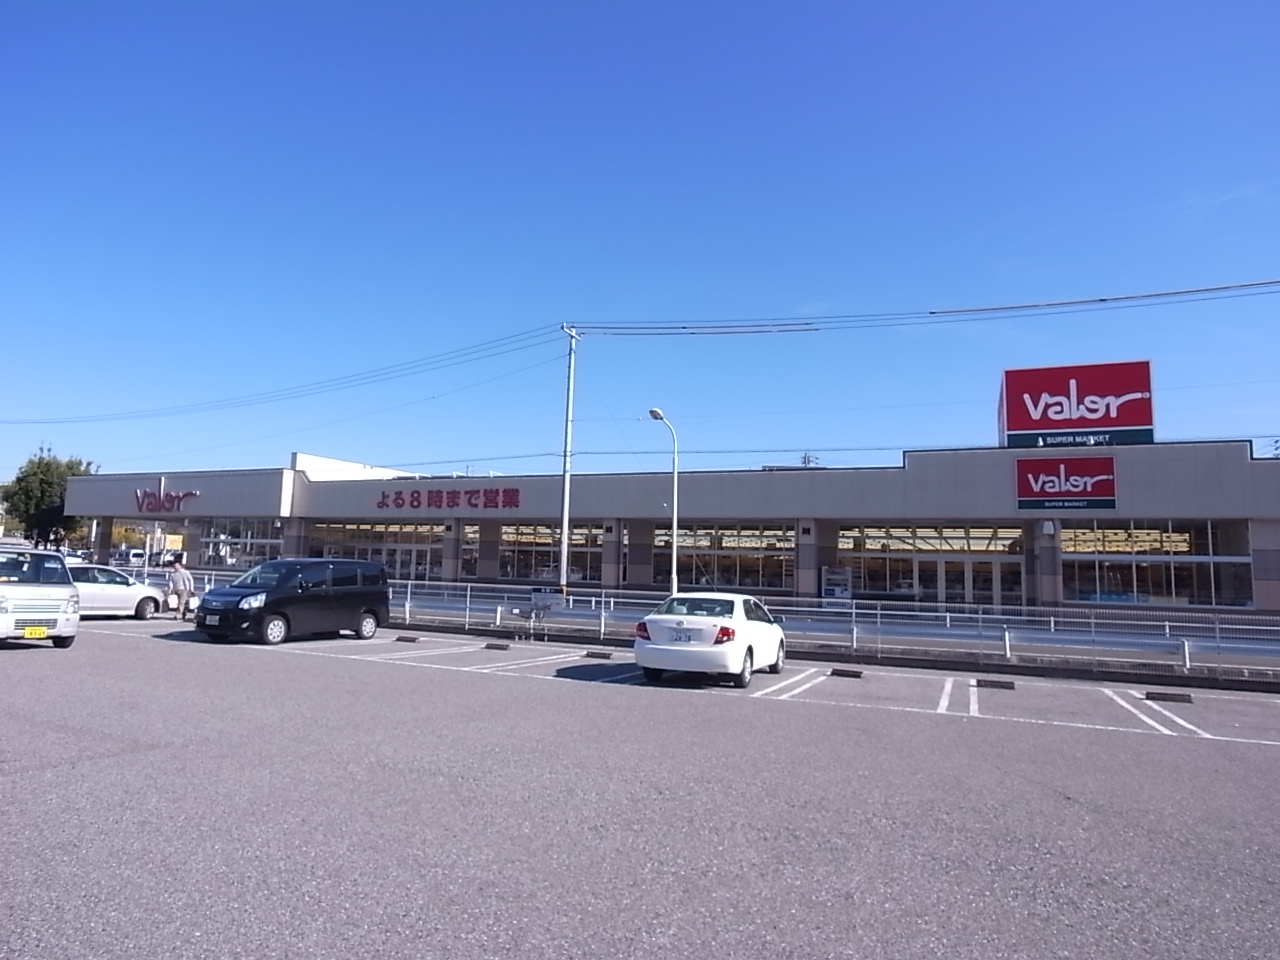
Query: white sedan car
x=721 y=633
x=105 y=591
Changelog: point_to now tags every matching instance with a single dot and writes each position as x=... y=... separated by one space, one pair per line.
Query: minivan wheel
x=63 y=642
x=274 y=629
x=743 y=677
x=146 y=608
x=367 y=627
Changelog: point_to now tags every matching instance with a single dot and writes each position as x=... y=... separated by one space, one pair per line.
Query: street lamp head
x=656 y=414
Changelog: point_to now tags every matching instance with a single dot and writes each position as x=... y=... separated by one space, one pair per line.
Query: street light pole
x=656 y=414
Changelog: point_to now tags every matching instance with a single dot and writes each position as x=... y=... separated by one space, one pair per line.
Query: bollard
x=1051 y=624
x=1007 y=654
x=602 y=621
x=497 y=616
x=466 y=616
x=1186 y=654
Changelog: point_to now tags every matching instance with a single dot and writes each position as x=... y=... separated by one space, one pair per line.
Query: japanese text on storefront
x=487 y=498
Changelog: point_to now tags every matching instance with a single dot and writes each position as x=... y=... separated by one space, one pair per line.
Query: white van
x=38 y=600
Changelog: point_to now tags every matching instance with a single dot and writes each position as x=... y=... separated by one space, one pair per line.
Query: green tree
x=36 y=497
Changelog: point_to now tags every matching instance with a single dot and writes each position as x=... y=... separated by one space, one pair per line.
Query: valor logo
x=1102 y=404
x=154 y=501
x=1068 y=483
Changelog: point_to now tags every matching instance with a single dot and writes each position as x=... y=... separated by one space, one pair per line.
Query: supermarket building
x=1161 y=523
x=1078 y=504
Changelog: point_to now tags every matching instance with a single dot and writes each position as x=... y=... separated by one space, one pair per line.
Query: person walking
x=182 y=585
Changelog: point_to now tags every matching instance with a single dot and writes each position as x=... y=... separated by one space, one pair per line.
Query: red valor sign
x=1067 y=483
x=1100 y=404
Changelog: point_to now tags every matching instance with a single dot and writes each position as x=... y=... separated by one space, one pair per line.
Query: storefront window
x=409 y=551
x=1164 y=562
x=469 y=551
x=239 y=542
x=532 y=552
x=743 y=556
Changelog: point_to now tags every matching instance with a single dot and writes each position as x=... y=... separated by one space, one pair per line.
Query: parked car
x=280 y=599
x=38 y=601
x=720 y=633
x=105 y=592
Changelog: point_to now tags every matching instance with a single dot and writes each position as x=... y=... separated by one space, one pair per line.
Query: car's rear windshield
x=696 y=607
x=267 y=574
x=17 y=566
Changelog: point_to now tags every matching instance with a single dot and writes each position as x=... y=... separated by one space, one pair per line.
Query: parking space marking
x=338 y=642
x=1136 y=712
x=926 y=711
x=422 y=653
x=811 y=683
x=491 y=667
x=806 y=682
x=1137 y=694
x=785 y=683
x=630 y=677
x=945 y=700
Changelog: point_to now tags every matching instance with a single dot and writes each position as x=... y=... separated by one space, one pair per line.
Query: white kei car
x=721 y=633
x=105 y=592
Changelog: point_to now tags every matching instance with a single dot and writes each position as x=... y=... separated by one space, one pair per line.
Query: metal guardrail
x=1162 y=640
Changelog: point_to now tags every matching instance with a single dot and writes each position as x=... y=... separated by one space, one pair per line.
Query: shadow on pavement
x=599 y=672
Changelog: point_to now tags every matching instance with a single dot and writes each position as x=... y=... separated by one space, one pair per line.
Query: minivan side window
x=53 y=570
x=315 y=577
x=345 y=574
x=373 y=575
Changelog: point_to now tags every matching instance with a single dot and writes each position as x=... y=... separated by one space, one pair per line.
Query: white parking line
x=630 y=677
x=337 y=642
x=945 y=700
x=489 y=668
x=422 y=653
x=1172 y=716
x=811 y=683
x=785 y=683
x=1136 y=712
x=973 y=698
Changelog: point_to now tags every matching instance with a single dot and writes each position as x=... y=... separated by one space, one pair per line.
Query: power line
x=358 y=416
x=487 y=350
x=864 y=321
x=891 y=448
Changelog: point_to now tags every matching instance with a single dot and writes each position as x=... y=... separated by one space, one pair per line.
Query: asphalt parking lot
x=170 y=797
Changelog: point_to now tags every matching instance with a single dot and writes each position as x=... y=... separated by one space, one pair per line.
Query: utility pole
x=568 y=454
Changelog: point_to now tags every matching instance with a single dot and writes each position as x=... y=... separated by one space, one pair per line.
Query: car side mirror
x=779 y=618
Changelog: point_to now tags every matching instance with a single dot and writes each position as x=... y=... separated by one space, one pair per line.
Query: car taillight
x=725 y=634
x=642 y=631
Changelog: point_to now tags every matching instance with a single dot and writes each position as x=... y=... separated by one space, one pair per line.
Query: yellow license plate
x=35 y=633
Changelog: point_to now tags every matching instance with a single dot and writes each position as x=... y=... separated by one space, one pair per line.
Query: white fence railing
x=1167 y=639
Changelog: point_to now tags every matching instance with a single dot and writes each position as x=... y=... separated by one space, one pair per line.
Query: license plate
x=35 y=633
x=681 y=636
x=212 y=619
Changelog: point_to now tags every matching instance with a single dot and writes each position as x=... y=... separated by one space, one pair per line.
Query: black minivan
x=292 y=598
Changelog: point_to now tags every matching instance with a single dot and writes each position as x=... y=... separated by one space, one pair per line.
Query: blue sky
x=213 y=201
